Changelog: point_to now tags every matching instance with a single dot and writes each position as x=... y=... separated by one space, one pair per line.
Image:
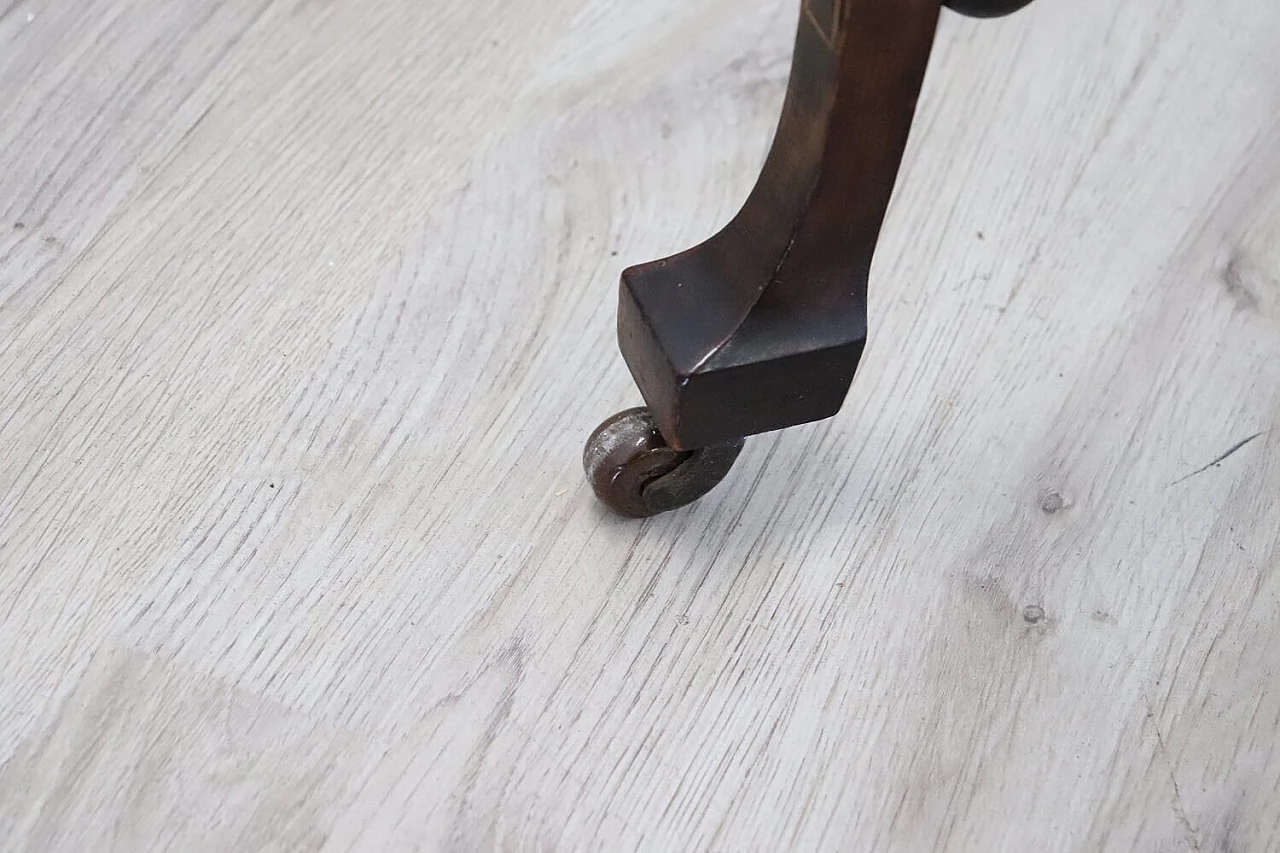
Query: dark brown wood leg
x=762 y=326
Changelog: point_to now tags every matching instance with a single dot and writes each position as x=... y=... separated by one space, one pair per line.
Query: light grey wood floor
x=306 y=308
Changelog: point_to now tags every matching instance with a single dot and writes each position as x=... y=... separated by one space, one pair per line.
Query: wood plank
x=296 y=552
x=96 y=95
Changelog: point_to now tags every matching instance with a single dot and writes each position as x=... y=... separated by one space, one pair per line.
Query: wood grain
x=305 y=310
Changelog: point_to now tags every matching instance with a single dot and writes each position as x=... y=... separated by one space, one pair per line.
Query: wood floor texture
x=307 y=306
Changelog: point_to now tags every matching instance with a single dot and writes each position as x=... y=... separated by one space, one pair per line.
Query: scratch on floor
x=1178 y=811
x=1238 y=445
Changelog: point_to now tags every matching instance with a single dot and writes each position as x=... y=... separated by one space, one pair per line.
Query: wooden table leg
x=762 y=326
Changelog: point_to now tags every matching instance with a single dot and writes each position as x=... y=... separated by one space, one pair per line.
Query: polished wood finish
x=762 y=326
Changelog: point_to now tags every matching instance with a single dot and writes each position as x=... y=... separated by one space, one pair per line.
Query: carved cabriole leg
x=762 y=326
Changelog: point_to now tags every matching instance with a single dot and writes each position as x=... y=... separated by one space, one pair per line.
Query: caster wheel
x=985 y=8
x=637 y=474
